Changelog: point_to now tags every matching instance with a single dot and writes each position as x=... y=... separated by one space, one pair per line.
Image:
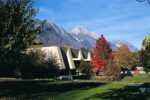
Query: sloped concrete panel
x=80 y=56
x=70 y=59
x=55 y=50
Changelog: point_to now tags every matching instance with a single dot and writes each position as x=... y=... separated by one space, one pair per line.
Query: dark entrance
x=77 y=65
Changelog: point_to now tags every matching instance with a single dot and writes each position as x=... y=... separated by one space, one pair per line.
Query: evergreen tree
x=85 y=67
x=145 y=53
x=146 y=43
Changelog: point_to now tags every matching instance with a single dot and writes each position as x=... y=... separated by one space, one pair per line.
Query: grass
x=139 y=78
x=75 y=90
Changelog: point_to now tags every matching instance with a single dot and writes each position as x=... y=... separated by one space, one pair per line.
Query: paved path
x=19 y=79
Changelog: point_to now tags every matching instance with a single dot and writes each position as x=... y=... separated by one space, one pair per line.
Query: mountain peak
x=53 y=35
x=81 y=30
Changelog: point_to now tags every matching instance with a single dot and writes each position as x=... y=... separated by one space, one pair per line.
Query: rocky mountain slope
x=79 y=37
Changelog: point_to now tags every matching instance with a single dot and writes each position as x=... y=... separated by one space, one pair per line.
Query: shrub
x=85 y=67
x=36 y=64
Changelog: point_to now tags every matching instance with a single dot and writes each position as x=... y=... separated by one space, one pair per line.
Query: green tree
x=146 y=43
x=85 y=67
x=17 y=30
x=144 y=58
x=145 y=53
x=17 y=25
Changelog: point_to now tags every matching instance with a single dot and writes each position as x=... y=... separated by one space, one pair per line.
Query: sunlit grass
x=75 y=90
x=139 y=78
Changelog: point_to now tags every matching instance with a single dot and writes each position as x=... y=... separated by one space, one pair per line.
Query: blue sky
x=128 y=20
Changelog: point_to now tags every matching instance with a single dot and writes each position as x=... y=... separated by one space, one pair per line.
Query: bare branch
x=148 y=1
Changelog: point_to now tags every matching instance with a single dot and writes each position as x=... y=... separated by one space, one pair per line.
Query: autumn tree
x=101 y=54
x=124 y=58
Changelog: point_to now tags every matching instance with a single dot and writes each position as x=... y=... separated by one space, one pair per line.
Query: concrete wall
x=70 y=59
x=56 y=51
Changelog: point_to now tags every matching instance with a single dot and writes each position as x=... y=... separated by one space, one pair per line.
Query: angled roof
x=75 y=53
x=85 y=54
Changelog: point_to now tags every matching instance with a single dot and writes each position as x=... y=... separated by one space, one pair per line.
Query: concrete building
x=68 y=58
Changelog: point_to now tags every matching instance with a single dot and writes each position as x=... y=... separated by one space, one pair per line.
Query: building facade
x=68 y=58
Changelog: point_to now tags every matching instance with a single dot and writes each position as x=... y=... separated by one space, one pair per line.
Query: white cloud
x=116 y=19
x=43 y=10
x=46 y=11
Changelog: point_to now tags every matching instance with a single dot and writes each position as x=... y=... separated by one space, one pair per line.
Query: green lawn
x=76 y=90
x=139 y=78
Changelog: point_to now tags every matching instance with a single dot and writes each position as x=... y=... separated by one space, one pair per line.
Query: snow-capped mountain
x=84 y=37
x=81 y=30
x=118 y=43
x=52 y=35
x=79 y=37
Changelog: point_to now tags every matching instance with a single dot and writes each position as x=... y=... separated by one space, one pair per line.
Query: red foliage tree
x=101 y=54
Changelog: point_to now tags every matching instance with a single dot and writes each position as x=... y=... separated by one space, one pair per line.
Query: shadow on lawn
x=35 y=89
x=126 y=93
